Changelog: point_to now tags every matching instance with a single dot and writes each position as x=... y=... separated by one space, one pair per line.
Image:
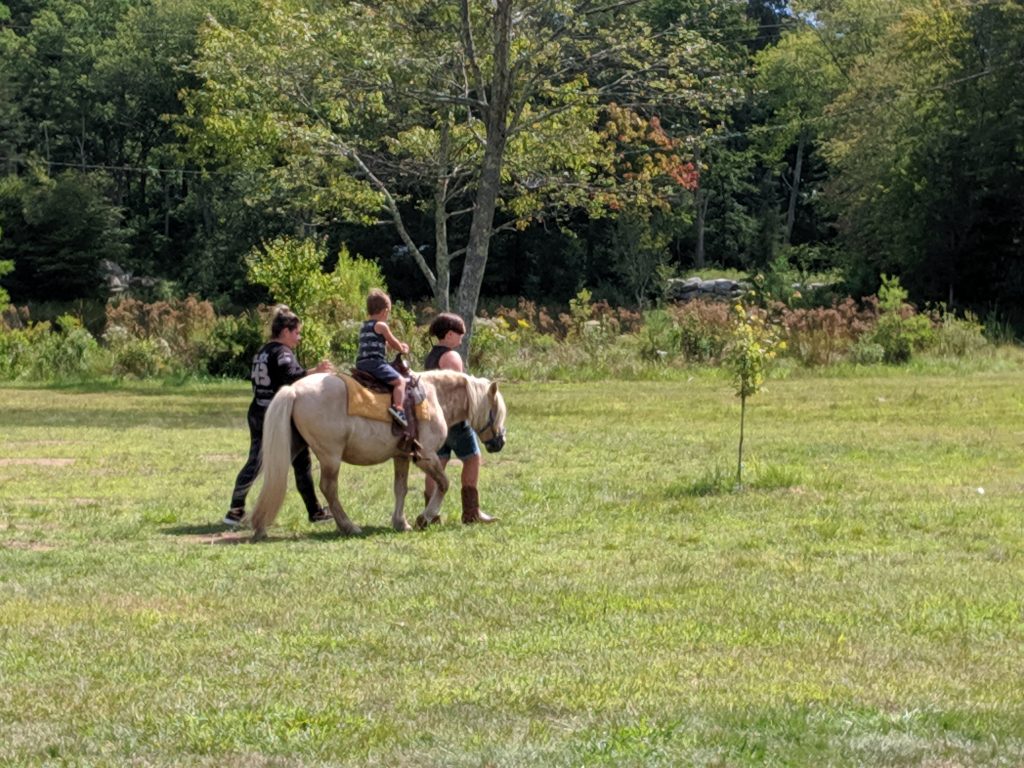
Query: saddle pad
x=374 y=405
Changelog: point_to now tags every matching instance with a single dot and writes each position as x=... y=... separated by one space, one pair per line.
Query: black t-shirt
x=273 y=367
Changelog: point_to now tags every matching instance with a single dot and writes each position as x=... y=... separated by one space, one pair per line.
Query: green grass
x=860 y=602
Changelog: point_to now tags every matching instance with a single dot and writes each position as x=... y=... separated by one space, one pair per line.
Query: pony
x=314 y=411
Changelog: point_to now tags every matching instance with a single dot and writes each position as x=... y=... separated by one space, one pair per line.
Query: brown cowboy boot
x=471 y=508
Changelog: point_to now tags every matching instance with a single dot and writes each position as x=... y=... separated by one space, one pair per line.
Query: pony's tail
x=275 y=459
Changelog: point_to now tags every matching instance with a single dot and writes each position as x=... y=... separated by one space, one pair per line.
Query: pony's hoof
x=422 y=523
x=259 y=535
x=402 y=526
x=350 y=530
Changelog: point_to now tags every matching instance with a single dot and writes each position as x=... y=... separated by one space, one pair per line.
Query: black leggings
x=301 y=464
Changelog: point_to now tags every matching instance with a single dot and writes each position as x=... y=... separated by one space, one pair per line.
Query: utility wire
x=752 y=131
x=713 y=33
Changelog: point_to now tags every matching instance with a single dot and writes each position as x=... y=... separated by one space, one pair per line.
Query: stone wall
x=687 y=289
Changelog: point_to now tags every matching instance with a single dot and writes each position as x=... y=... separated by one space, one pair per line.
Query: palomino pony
x=314 y=411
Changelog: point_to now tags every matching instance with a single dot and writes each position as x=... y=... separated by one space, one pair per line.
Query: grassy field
x=860 y=602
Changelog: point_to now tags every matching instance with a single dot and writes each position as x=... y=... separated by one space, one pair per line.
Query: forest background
x=178 y=163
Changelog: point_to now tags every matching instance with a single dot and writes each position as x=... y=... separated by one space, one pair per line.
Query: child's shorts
x=380 y=370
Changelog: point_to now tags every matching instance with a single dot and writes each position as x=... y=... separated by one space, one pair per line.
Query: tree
x=797 y=77
x=924 y=146
x=753 y=345
x=6 y=267
x=58 y=230
x=481 y=116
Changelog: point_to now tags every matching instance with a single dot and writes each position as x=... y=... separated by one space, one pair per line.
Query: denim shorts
x=462 y=440
x=379 y=369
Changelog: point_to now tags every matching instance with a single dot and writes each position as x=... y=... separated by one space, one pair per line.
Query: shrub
x=705 y=330
x=44 y=352
x=17 y=348
x=6 y=267
x=660 y=337
x=957 y=337
x=140 y=358
x=181 y=324
x=867 y=352
x=824 y=336
x=230 y=346
x=900 y=330
x=293 y=271
x=494 y=343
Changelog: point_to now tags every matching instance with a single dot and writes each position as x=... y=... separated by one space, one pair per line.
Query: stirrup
x=398 y=416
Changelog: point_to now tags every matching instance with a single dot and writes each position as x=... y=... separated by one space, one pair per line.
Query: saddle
x=414 y=402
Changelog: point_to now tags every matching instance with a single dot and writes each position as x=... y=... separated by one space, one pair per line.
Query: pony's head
x=492 y=434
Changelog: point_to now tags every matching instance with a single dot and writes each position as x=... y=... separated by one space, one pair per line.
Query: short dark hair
x=376 y=301
x=284 y=319
x=444 y=322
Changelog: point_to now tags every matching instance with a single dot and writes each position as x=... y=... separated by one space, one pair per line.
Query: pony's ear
x=493 y=389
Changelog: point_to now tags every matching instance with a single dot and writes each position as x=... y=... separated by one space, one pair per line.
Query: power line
x=790 y=22
x=752 y=131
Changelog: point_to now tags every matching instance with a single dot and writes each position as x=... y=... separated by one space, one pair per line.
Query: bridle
x=497 y=439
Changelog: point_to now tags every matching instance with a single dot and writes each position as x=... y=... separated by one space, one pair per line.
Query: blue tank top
x=372 y=345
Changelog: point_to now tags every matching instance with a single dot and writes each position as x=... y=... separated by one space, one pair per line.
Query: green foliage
x=900 y=330
x=754 y=344
x=57 y=231
x=660 y=335
x=957 y=337
x=229 y=347
x=138 y=358
x=638 y=250
x=778 y=282
x=45 y=352
x=293 y=271
x=6 y=267
x=998 y=329
x=494 y=344
x=917 y=130
x=697 y=331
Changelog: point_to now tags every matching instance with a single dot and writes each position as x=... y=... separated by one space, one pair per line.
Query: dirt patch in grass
x=36 y=462
x=74 y=501
x=27 y=546
x=221 y=457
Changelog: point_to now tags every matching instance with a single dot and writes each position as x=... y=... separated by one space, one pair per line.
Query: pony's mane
x=476 y=387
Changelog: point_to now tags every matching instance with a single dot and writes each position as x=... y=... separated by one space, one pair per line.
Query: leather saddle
x=408 y=434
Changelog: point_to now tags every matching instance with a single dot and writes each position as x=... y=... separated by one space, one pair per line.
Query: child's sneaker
x=399 y=416
x=234 y=517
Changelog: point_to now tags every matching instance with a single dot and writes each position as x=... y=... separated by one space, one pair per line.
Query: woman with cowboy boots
x=448 y=329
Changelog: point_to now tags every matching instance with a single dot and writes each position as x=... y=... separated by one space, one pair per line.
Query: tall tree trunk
x=701 y=203
x=482 y=225
x=739 y=460
x=794 y=189
x=442 y=261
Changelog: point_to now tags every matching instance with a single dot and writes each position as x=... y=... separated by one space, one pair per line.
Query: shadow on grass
x=217 y=533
